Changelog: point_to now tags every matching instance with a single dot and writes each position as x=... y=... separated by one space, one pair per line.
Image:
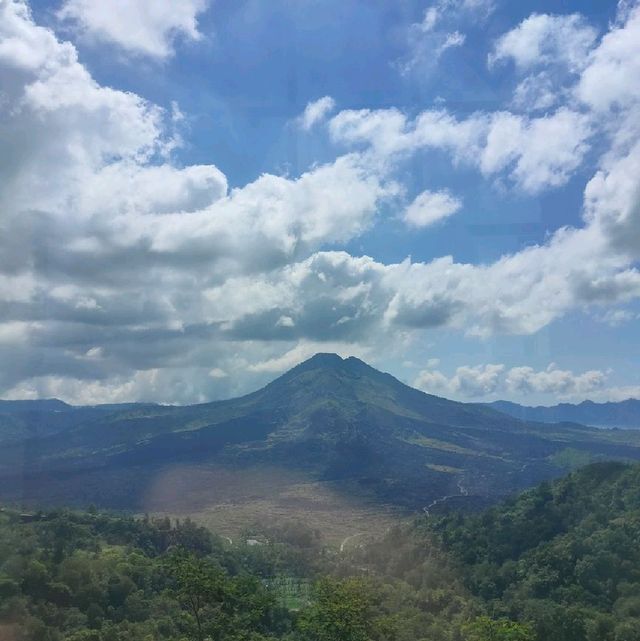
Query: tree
x=487 y=629
x=341 y=612
x=198 y=585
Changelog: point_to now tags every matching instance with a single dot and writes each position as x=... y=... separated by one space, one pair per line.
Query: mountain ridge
x=622 y=414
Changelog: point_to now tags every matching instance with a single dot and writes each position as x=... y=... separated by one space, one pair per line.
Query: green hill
x=563 y=557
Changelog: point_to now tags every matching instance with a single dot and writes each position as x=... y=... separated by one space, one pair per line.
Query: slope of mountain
x=25 y=419
x=624 y=414
x=562 y=557
x=329 y=420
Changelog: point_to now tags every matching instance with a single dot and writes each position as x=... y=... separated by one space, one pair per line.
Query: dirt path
x=352 y=536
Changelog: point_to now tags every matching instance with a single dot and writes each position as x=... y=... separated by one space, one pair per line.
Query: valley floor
x=233 y=502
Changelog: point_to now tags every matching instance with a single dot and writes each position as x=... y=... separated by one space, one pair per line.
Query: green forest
x=560 y=562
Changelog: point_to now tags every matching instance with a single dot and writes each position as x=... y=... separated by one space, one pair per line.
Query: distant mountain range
x=329 y=419
x=625 y=414
x=29 y=419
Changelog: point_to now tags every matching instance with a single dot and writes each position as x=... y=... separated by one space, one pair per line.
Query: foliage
x=558 y=563
x=73 y=576
x=94 y=577
x=486 y=629
x=563 y=557
x=343 y=611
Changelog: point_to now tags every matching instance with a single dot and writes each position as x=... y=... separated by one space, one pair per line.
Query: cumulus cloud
x=493 y=380
x=605 y=82
x=124 y=275
x=480 y=380
x=536 y=92
x=144 y=27
x=549 y=51
x=616 y=394
x=431 y=206
x=563 y=383
x=533 y=153
x=543 y=39
x=316 y=111
x=105 y=239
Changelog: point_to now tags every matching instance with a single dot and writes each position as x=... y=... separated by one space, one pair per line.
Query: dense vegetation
x=564 y=557
x=558 y=563
x=79 y=576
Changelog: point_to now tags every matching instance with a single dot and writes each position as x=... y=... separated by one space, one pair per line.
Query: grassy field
x=230 y=502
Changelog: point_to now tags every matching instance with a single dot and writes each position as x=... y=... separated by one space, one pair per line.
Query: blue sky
x=195 y=236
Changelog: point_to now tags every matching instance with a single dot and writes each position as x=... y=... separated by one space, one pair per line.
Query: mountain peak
x=322 y=359
x=330 y=361
x=325 y=364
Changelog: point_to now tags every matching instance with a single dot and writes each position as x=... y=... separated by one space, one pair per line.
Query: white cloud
x=610 y=79
x=550 y=50
x=539 y=153
x=146 y=27
x=493 y=380
x=124 y=275
x=536 y=92
x=316 y=111
x=384 y=129
x=431 y=37
x=429 y=20
x=127 y=187
x=429 y=207
x=150 y=385
x=101 y=230
x=535 y=153
x=563 y=383
x=451 y=10
x=543 y=39
x=616 y=394
x=468 y=381
x=617 y=317
x=453 y=39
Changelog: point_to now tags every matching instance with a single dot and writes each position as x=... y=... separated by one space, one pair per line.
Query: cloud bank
x=125 y=275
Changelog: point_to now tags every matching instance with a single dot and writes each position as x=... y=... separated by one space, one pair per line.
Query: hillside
x=78 y=576
x=339 y=424
x=624 y=414
x=562 y=557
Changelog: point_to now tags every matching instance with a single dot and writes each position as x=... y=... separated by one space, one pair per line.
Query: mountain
x=37 y=405
x=624 y=414
x=327 y=421
x=28 y=419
